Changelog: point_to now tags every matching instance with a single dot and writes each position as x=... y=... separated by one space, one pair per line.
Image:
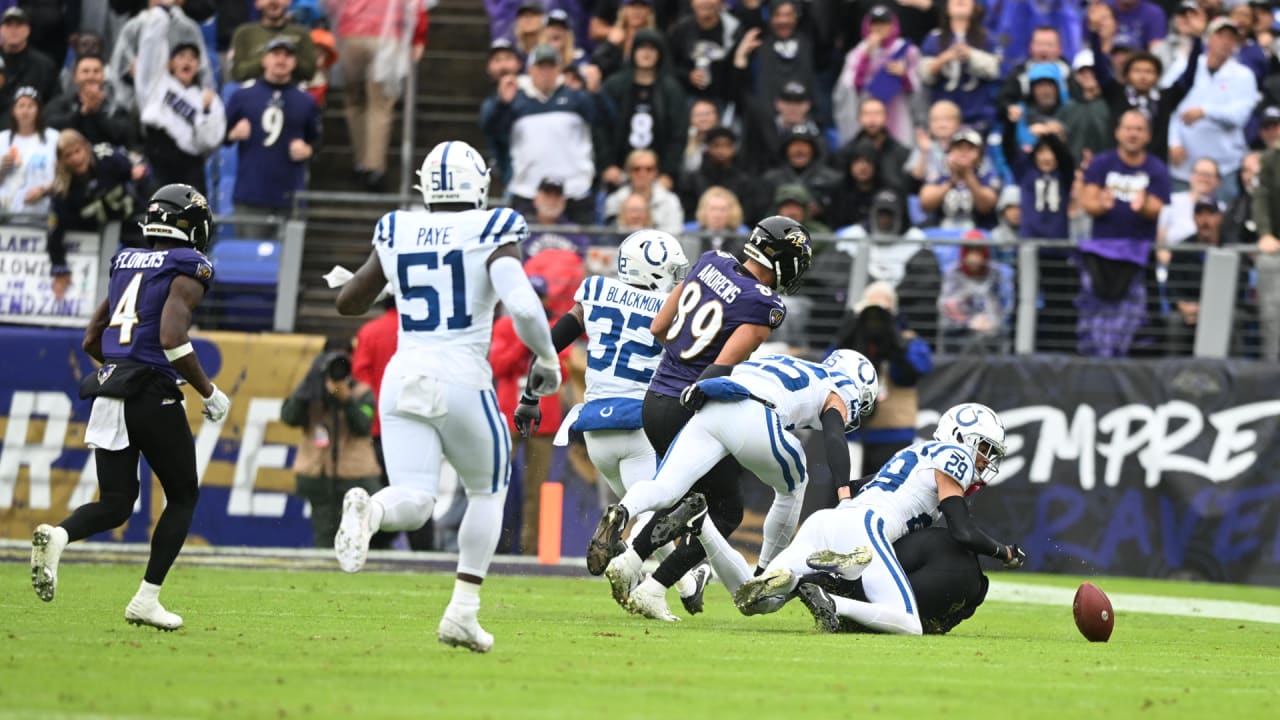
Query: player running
x=855 y=540
x=447 y=267
x=139 y=334
x=749 y=416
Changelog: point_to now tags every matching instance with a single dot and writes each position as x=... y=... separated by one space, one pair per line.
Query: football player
x=714 y=320
x=855 y=539
x=447 y=268
x=139 y=334
x=749 y=416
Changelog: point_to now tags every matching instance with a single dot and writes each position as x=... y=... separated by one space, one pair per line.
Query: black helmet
x=781 y=244
x=180 y=213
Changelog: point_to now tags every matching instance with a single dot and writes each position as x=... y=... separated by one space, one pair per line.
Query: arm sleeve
x=522 y=302
x=566 y=330
x=965 y=529
x=837 y=446
x=715 y=371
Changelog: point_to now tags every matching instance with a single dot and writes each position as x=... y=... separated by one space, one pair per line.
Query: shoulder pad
x=503 y=226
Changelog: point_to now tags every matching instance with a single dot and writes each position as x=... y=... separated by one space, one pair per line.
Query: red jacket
x=375 y=344
x=365 y=18
x=510 y=360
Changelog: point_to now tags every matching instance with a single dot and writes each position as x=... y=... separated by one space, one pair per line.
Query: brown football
x=1094 y=616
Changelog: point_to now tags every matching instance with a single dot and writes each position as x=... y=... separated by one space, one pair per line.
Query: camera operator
x=336 y=454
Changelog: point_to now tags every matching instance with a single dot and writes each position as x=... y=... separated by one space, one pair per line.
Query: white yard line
x=1004 y=591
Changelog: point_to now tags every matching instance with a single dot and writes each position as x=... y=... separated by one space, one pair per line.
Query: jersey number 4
x=612 y=351
x=125 y=314
x=421 y=279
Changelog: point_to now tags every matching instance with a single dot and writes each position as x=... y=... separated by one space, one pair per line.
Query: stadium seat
x=244 y=289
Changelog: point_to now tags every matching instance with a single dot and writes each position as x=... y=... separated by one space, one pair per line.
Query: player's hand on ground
x=1017 y=557
x=217 y=405
x=544 y=378
x=528 y=416
x=693 y=398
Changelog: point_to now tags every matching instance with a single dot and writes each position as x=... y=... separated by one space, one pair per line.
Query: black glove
x=693 y=398
x=759 y=571
x=1017 y=557
x=528 y=416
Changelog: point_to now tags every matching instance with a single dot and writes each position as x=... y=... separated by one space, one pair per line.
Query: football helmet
x=859 y=387
x=783 y=245
x=453 y=172
x=653 y=260
x=180 y=213
x=979 y=428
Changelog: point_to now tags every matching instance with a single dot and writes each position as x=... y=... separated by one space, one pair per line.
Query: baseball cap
x=179 y=47
x=544 y=54
x=637 y=2
x=1208 y=205
x=966 y=135
x=791 y=193
x=721 y=131
x=1270 y=115
x=15 y=14
x=794 y=92
x=880 y=13
x=530 y=6
x=551 y=185
x=800 y=132
x=1223 y=23
x=280 y=42
x=559 y=17
x=1187 y=6
x=1083 y=59
x=501 y=45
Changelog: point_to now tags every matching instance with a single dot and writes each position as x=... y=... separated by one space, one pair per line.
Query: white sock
x=779 y=525
x=878 y=617
x=147 y=591
x=728 y=563
x=400 y=508
x=478 y=533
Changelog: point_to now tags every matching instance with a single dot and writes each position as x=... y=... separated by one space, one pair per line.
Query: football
x=1094 y=616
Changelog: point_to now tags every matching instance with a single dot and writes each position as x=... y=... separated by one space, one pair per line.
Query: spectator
x=664 y=206
x=962 y=197
x=802 y=165
x=503 y=61
x=371 y=40
x=1024 y=29
x=783 y=51
x=852 y=198
x=182 y=30
x=883 y=67
x=633 y=214
x=531 y=18
x=1238 y=227
x=1039 y=117
x=1140 y=24
x=889 y=260
x=276 y=127
x=548 y=209
x=1008 y=229
x=92 y=186
x=326 y=56
x=719 y=215
x=1015 y=92
x=651 y=110
x=558 y=33
x=890 y=155
x=1186 y=270
x=52 y=23
x=1266 y=218
x=24 y=65
x=182 y=122
x=703 y=116
x=719 y=167
x=1087 y=112
x=702 y=45
x=250 y=40
x=1124 y=191
x=928 y=157
x=769 y=121
x=959 y=63
x=793 y=200
x=89 y=107
x=335 y=413
x=976 y=298
x=1268 y=128
x=1045 y=190
x=1210 y=120
x=1177 y=219
x=616 y=35
x=550 y=126
x=30 y=157
x=86 y=44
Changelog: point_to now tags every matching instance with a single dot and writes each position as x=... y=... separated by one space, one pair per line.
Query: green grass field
x=270 y=644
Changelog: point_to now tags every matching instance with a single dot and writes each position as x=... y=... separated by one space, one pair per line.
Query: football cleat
x=698 y=578
x=463 y=633
x=650 y=600
x=150 y=612
x=848 y=566
x=820 y=605
x=761 y=594
x=351 y=543
x=47 y=543
x=606 y=543
x=624 y=574
x=686 y=517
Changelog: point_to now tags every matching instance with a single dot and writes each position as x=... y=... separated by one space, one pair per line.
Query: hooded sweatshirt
x=864 y=75
x=650 y=117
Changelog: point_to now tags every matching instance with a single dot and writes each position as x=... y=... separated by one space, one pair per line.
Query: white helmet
x=453 y=172
x=653 y=260
x=860 y=385
x=979 y=428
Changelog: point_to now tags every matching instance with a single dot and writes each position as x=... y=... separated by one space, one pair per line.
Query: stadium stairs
x=451 y=86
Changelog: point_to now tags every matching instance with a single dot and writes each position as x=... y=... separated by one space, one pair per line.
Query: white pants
x=623 y=457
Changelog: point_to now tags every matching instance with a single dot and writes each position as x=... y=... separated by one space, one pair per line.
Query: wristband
x=173 y=354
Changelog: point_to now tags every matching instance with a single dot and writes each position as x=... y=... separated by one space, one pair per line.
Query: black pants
x=663 y=418
x=158 y=430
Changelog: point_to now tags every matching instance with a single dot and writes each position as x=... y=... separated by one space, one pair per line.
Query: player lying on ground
x=750 y=415
x=448 y=268
x=855 y=539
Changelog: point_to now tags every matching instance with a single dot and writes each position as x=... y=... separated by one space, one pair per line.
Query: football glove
x=216 y=405
x=544 y=377
x=528 y=416
x=1017 y=558
x=693 y=398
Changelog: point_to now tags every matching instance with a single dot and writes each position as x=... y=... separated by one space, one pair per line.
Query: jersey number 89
x=705 y=320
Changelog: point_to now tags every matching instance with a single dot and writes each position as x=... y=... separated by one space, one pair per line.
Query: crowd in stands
x=1122 y=129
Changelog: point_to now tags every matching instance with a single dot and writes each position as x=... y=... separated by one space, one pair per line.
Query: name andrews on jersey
x=718 y=283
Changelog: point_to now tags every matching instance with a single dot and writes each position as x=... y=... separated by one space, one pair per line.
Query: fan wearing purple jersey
x=139 y=334
x=714 y=320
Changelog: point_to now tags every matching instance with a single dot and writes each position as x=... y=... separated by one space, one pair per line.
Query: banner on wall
x=26 y=288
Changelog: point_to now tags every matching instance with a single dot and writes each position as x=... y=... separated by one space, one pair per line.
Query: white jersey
x=622 y=354
x=437 y=265
x=797 y=388
x=905 y=491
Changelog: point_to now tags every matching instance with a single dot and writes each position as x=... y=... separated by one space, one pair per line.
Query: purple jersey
x=1120 y=233
x=719 y=296
x=139 y=287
